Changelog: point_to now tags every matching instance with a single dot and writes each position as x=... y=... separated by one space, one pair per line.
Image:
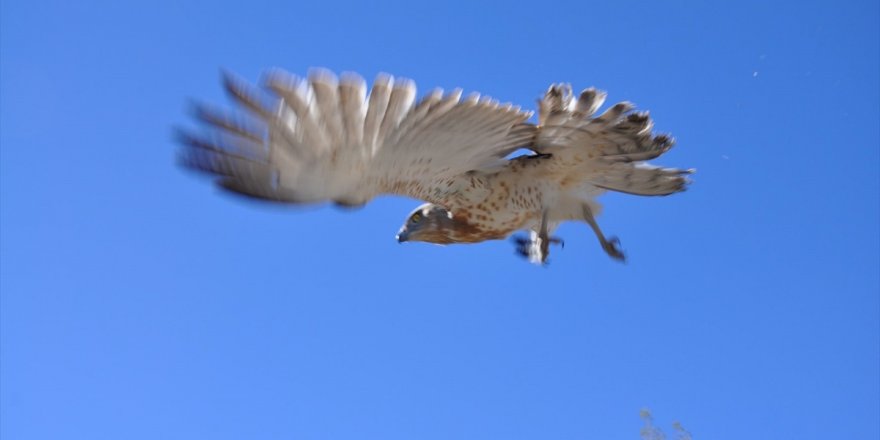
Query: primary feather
x=323 y=138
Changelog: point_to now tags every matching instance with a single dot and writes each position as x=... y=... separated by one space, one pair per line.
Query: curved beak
x=402 y=236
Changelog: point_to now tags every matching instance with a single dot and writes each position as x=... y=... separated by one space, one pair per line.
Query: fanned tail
x=642 y=180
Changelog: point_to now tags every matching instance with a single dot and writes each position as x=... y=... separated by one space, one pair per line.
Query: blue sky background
x=137 y=302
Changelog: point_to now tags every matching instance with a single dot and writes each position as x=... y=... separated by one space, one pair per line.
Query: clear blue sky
x=138 y=302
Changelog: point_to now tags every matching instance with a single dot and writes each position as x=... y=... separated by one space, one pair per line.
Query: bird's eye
x=415 y=218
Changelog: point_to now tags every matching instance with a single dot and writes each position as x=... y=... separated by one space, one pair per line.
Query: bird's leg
x=612 y=245
x=543 y=238
x=537 y=248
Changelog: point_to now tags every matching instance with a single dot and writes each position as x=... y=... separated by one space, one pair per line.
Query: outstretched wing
x=326 y=139
x=614 y=146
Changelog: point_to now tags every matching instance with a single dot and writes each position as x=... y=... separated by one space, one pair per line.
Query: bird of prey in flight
x=329 y=139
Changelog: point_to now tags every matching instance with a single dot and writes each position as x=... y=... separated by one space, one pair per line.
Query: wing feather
x=451 y=140
x=228 y=123
x=352 y=94
x=425 y=105
x=380 y=95
x=399 y=104
x=326 y=89
x=297 y=113
x=323 y=138
x=618 y=141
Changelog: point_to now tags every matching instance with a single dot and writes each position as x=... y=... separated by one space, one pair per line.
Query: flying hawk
x=323 y=138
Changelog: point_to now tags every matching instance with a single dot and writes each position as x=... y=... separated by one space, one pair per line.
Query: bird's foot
x=612 y=248
x=535 y=250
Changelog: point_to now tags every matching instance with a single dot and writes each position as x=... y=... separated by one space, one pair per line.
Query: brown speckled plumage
x=326 y=139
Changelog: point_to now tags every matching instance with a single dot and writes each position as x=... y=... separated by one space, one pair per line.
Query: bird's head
x=430 y=223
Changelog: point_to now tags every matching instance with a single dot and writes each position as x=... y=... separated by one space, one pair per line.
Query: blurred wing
x=614 y=145
x=325 y=139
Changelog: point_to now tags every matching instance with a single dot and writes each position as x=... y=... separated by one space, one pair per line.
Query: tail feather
x=619 y=141
x=641 y=180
